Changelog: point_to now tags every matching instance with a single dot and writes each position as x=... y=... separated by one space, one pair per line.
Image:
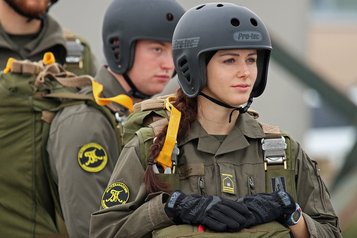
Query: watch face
x=297 y=215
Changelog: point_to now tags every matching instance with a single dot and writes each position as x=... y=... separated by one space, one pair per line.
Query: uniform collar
x=111 y=85
x=245 y=127
x=51 y=34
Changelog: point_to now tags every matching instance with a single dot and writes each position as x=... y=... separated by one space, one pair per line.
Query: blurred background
x=312 y=84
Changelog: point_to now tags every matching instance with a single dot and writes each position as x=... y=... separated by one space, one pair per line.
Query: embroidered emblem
x=227 y=183
x=278 y=184
x=115 y=194
x=92 y=157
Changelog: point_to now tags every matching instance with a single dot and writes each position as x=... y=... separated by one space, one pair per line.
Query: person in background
x=27 y=31
x=83 y=145
x=231 y=175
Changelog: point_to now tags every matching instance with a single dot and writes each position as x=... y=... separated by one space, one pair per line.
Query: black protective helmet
x=127 y=21
x=211 y=27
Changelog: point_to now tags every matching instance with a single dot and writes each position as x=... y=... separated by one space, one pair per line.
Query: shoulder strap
x=79 y=57
x=148 y=119
x=151 y=104
x=279 y=162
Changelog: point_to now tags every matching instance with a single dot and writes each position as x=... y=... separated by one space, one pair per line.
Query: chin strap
x=222 y=104
x=134 y=92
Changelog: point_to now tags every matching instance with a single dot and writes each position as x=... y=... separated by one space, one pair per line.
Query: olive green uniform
x=49 y=39
x=203 y=165
x=83 y=150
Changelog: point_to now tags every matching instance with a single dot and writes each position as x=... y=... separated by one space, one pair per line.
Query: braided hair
x=188 y=108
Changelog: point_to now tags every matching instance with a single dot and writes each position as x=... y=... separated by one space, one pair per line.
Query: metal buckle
x=120 y=119
x=74 y=52
x=274 y=151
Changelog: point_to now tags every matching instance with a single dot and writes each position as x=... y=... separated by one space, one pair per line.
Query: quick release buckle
x=75 y=52
x=274 y=151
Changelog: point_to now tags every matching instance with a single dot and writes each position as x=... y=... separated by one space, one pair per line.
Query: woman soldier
x=219 y=184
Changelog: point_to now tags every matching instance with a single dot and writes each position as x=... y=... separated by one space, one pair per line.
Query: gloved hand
x=268 y=207
x=215 y=213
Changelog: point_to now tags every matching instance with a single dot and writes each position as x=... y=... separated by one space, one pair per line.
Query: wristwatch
x=295 y=216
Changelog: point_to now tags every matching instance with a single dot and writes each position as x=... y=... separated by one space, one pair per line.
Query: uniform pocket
x=192 y=179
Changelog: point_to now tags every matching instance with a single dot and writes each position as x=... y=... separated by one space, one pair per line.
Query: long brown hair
x=188 y=108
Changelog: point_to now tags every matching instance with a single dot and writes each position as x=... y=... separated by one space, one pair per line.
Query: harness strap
x=158 y=124
x=279 y=164
x=74 y=49
x=152 y=104
x=22 y=67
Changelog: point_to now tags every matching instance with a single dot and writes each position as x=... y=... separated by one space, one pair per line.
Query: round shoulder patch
x=115 y=194
x=92 y=157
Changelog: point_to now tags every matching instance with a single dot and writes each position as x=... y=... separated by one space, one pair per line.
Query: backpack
x=151 y=115
x=30 y=95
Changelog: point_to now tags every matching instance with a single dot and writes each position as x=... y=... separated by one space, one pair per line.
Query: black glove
x=268 y=207
x=215 y=213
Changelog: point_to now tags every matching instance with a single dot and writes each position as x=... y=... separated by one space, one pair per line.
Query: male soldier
x=83 y=146
x=27 y=32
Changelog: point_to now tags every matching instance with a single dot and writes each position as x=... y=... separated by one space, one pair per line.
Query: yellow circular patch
x=92 y=157
x=115 y=194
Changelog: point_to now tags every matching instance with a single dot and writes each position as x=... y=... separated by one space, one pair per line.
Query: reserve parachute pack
x=151 y=115
x=30 y=95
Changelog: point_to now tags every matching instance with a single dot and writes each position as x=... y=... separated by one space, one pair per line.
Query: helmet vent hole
x=188 y=78
x=199 y=7
x=235 y=22
x=114 y=43
x=169 y=17
x=220 y=5
x=183 y=64
x=254 y=22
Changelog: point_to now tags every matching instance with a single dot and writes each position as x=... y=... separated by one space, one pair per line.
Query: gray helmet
x=211 y=27
x=126 y=21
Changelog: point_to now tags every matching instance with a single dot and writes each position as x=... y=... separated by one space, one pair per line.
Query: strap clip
x=274 y=151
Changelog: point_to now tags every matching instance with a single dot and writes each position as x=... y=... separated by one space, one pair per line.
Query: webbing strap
x=157 y=124
x=164 y=158
x=274 y=151
x=279 y=163
x=121 y=99
x=156 y=103
x=29 y=67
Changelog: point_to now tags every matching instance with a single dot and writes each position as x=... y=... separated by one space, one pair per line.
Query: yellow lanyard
x=164 y=158
x=121 y=99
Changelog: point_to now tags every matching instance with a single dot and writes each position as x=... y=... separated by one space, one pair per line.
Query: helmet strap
x=134 y=92
x=222 y=104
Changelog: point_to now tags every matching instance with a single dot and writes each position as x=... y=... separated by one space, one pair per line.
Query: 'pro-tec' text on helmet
x=127 y=21
x=215 y=26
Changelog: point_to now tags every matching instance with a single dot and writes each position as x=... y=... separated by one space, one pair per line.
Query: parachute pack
x=151 y=115
x=30 y=95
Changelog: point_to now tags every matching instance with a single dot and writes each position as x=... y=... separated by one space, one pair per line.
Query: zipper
x=251 y=185
x=321 y=184
x=201 y=185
